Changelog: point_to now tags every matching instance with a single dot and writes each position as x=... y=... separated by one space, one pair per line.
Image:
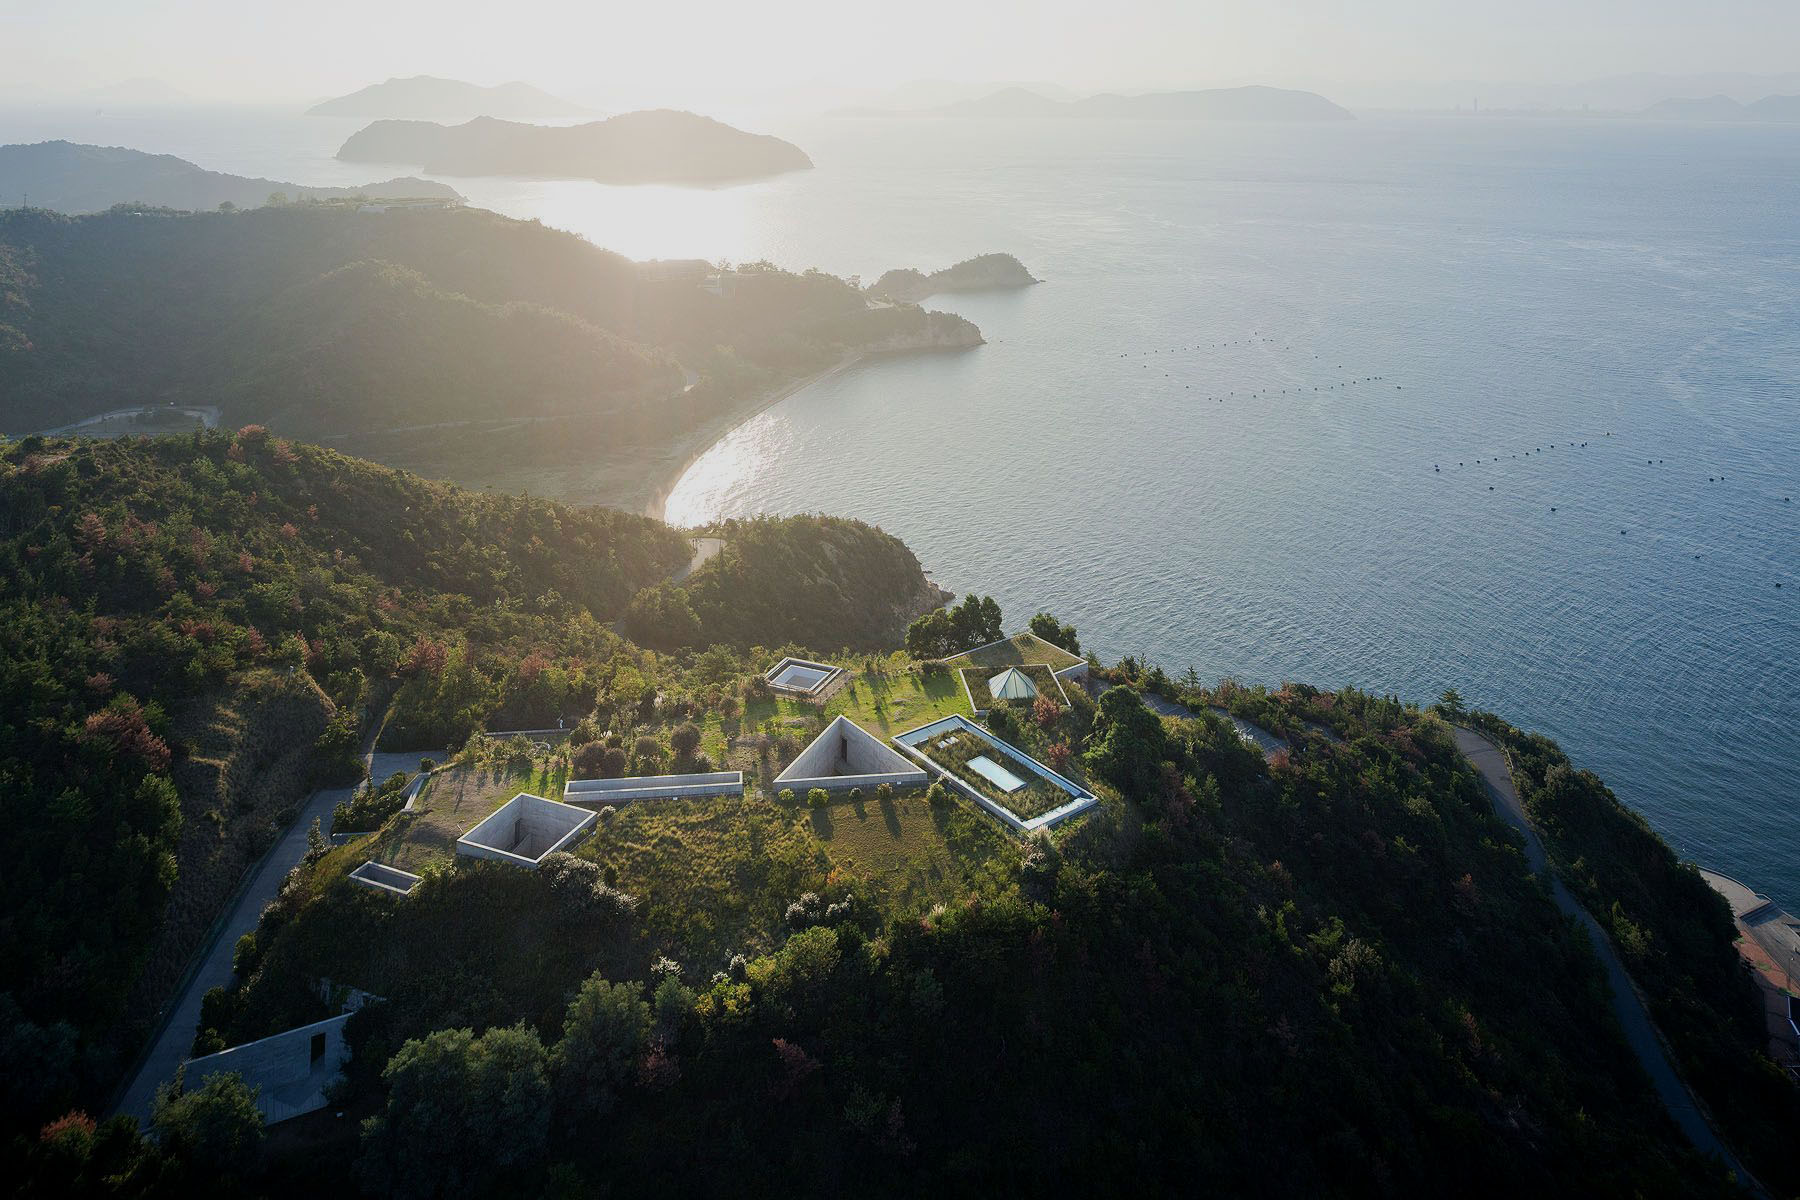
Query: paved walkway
x=704 y=549
x=1268 y=743
x=176 y=1036
x=1640 y=1031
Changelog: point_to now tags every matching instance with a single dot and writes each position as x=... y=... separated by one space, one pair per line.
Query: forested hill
x=318 y=320
x=137 y=578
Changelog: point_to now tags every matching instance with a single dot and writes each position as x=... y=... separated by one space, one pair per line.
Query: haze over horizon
x=1386 y=52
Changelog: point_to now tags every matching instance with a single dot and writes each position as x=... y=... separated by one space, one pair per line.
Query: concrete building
x=596 y=793
x=384 y=878
x=845 y=756
x=802 y=678
x=525 y=829
x=290 y=1071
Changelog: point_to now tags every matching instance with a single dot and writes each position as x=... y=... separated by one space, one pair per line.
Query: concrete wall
x=524 y=830
x=597 y=792
x=1080 y=799
x=384 y=878
x=290 y=1080
x=844 y=756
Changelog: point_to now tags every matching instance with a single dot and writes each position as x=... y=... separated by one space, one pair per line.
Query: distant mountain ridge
x=70 y=177
x=428 y=98
x=1773 y=109
x=657 y=146
x=1254 y=103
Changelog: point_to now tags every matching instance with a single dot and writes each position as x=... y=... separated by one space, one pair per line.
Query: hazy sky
x=247 y=49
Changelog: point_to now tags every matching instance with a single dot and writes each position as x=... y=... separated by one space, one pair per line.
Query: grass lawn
x=1017 y=651
x=714 y=876
x=976 y=680
x=910 y=854
x=450 y=803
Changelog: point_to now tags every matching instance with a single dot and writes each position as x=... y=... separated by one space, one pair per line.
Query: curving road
x=1491 y=764
x=175 y=1036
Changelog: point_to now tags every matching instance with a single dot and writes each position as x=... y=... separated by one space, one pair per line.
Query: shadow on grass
x=821 y=823
x=891 y=816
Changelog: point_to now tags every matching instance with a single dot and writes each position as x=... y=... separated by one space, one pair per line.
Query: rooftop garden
x=1021 y=649
x=977 y=679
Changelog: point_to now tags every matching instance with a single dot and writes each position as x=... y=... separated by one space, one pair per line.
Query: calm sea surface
x=1405 y=404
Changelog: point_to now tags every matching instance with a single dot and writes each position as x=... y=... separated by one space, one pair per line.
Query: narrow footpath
x=1640 y=1032
x=175 y=1037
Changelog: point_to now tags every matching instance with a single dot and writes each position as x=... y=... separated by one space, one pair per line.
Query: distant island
x=427 y=98
x=1214 y=104
x=971 y=275
x=1772 y=109
x=658 y=146
x=70 y=177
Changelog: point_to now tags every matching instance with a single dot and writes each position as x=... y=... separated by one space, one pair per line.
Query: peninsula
x=69 y=177
x=656 y=146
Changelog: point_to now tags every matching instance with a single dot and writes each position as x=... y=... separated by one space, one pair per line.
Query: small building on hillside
x=525 y=829
x=290 y=1071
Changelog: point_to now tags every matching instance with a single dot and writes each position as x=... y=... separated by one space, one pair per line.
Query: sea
x=1504 y=405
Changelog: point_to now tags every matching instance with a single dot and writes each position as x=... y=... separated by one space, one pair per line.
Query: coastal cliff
x=971 y=275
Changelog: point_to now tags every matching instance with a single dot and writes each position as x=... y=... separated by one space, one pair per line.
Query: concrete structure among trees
x=593 y=793
x=384 y=878
x=802 y=678
x=289 y=1071
x=845 y=756
x=525 y=829
x=921 y=741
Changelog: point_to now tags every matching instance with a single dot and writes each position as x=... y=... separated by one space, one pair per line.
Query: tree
x=1128 y=743
x=685 y=739
x=1451 y=703
x=662 y=618
x=464 y=1114
x=216 y=1126
x=605 y=1032
x=1055 y=632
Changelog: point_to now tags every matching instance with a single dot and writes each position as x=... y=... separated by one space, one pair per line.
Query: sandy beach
x=691 y=447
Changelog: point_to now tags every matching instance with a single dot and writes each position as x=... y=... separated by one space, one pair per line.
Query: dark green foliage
x=605 y=1032
x=463 y=1114
x=1128 y=743
x=945 y=631
x=170 y=569
x=1055 y=632
x=369 y=808
x=808 y=581
x=216 y=1124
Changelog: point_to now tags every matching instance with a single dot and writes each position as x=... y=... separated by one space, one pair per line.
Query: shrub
x=856 y=794
x=805 y=911
x=588 y=761
x=785 y=796
x=685 y=739
x=581 y=890
x=817 y=798
x=884 y=792
x=217 y=1124
x=937 y=794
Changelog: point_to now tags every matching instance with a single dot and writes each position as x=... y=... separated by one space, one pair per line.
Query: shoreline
x=711 y=433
